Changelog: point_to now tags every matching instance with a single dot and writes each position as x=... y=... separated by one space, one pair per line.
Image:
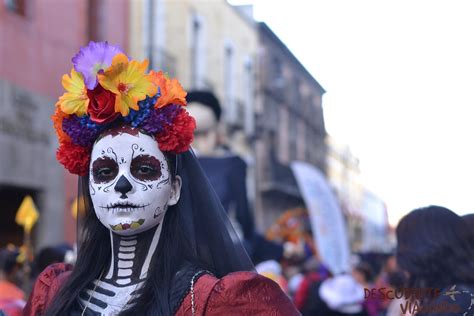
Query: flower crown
x=106 y=88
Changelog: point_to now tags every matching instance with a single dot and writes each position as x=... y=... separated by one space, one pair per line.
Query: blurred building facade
x=364 y=212
x=343 y=173
x=38 y=39
x=206 y=45
x=290 y=125
x=272 y=111
x=375 y=230
x=272 y=106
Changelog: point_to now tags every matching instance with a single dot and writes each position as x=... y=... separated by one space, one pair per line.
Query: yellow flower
x=128 y=81
x=75 y=100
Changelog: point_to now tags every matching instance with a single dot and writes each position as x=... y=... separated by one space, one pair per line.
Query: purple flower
x=135 y=118
x=93 y=58
x=160 y=118
x=82 y=131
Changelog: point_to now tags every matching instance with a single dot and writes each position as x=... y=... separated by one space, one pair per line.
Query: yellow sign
x=27 y=214
x=77 y=207
x=74 y=208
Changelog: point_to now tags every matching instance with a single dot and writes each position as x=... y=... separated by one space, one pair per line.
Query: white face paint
x=130 y=182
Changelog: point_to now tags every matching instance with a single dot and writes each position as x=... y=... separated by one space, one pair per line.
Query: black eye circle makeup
x=145 y=168
x=104 y=169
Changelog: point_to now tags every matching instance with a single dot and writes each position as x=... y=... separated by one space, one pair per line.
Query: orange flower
x=170 y=91
x=57 y=118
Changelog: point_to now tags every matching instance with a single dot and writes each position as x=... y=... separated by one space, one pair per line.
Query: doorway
x=10 y=200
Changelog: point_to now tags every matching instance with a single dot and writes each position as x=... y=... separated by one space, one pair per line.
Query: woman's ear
x=175 y=190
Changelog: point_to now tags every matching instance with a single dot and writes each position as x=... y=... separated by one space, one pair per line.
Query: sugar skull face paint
x=130 y=182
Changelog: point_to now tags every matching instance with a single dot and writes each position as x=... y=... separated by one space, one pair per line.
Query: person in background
x=50 y=255
x=227 y=174
x=306 y=296
x=226 y=171
x=435 y=249
x=469 y=219
x=396 y=280
x=362 y=273
x=273 y=270
x=339 y=296
x=11 y=296
x=383 y=279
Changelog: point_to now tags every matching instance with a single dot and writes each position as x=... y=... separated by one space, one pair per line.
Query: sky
x=399 y=77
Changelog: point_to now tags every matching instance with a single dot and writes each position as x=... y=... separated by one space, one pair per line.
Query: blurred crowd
x=18 y=273
x=429 y=273
x=435 y=250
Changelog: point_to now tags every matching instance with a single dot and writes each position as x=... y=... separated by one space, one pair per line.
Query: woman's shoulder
x=46 y=286
x=238 y=293
x=53 y=271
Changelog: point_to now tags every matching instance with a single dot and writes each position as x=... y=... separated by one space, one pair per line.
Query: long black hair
x=195 y=231
x=436 y=248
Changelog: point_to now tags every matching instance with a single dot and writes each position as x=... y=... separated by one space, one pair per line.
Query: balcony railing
x=280 y=178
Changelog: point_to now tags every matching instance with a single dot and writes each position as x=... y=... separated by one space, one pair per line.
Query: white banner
x=326 y=218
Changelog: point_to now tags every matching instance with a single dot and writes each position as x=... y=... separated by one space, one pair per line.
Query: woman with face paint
x=153 y=238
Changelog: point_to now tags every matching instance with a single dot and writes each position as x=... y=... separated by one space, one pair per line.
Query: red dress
x=239 y=293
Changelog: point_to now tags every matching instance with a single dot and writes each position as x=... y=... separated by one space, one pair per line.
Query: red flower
x=102 y=105
x=177 y=137
x=74 y=158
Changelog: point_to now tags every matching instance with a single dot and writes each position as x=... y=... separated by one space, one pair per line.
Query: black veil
x=213 y=238
x=200 y=215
